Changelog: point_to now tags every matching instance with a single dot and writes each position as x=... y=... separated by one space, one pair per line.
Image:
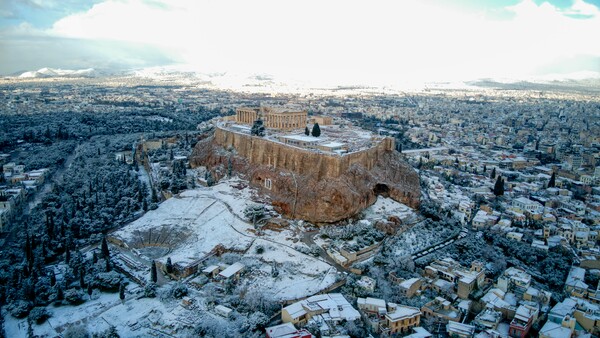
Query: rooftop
x=403 y=312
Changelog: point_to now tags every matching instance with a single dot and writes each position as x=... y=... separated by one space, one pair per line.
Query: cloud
x=346 y=41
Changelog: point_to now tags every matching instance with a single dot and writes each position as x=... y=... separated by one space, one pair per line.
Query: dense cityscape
x=118 y=221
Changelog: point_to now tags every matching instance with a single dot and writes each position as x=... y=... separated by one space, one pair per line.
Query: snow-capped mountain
x=51 y=72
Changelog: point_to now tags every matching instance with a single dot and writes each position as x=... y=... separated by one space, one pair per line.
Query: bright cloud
x=380 y=42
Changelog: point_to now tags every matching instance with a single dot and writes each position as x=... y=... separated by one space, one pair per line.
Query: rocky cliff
x=307 y=185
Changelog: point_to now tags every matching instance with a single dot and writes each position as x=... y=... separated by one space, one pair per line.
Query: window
x=268 y=183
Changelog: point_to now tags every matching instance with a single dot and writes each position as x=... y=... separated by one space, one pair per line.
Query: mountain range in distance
x=588 y=82
x=54 y=72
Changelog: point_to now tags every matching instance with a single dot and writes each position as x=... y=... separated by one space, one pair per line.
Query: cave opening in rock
x=381 y=189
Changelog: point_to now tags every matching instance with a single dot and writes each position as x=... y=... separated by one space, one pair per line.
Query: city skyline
x=381 y=43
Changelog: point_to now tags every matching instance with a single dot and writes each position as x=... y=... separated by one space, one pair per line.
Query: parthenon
x=284 y=120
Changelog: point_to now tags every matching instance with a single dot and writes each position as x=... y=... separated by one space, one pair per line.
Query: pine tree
x=493 y=174
x=316 y=130
x=82 y=279
x=122 y=291
x=306 y=131
x=229 y=167
x=552 y=182
x=153 y=274
x=67 y=254
x=499 y=186
x=104 y=248
x=258 y=128
x=59 y=293
x=90 y=290
x=28 y=250
x=154 y=197
x=52 y=278
x=169 y=265
x=484 y=168
x=210 y=181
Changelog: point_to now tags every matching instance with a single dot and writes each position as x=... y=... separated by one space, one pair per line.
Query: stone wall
x=305 y=184
x=260 y=151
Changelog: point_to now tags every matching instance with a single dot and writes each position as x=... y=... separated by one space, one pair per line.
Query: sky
x=333 y=41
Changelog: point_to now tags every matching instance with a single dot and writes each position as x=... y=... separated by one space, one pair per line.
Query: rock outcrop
x=308 y=185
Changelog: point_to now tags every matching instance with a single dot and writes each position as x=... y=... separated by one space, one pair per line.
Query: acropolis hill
x=319 y=179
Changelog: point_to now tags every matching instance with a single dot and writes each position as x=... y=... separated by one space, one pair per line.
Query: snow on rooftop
x=554 y=330
x=402 y=312
x=232 y=270
x=334 y=304
x=303 y=138
x=409 y=282
x=210 y=269
x=332 y=144
x=281 y=330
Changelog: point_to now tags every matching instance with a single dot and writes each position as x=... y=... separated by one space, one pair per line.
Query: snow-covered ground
x=191 y=224
x=385 y=207
x=133 y=318
x=421 y=236
x=299 y=274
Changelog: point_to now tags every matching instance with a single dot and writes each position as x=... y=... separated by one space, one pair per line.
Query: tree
x=552 y=182
x=499 y=186
x=39 y=315
x=122 y=292
x=229 y=167
x=111 y=332
x=493 y=174
x=178 y=290
x=60 y=295
x=90 y=290
x=169 y=265
x=104 y=249
x=52 y=278
x=306 y=131
x=210 y=181
x=150 y=290
x=67 y=254
x=82 y=277
x=316 y=130
x=107 y=266
x=258 y=128
x=484 y=168
x=153 y=274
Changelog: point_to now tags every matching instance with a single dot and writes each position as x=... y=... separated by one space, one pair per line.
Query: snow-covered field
x=385 y=207
x=299 y=274
x=133 y=318
x=191 y=224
